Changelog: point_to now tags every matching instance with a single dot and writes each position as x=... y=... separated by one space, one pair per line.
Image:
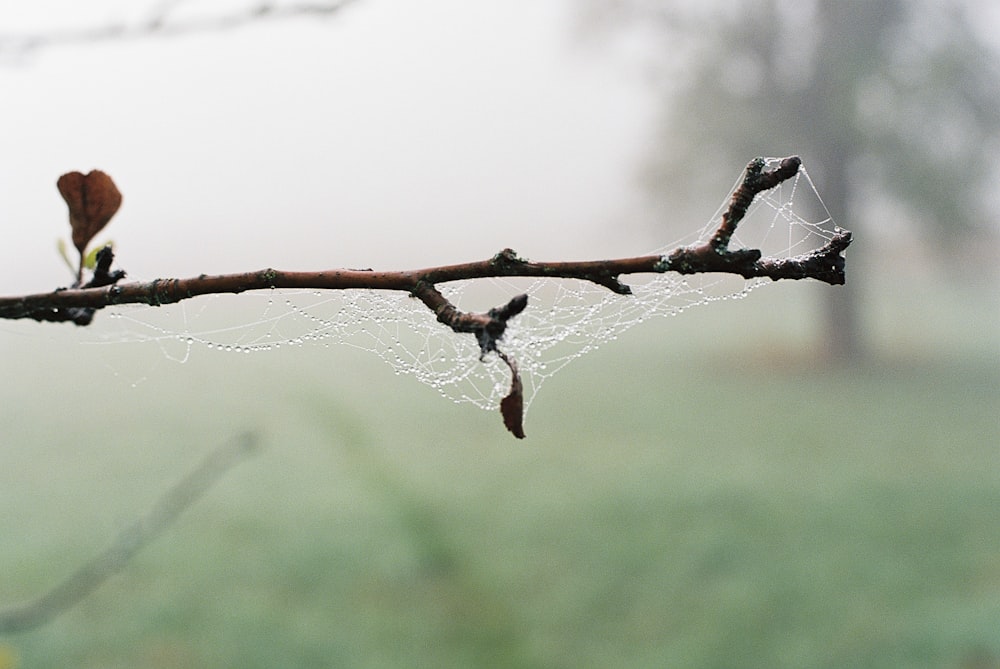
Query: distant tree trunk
x=843 y=337
x=907 y=88
x=834 y=144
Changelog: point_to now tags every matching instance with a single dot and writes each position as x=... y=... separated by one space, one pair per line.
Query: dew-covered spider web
x=565 y=318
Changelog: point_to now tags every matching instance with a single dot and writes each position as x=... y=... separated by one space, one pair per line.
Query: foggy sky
x=390 y=135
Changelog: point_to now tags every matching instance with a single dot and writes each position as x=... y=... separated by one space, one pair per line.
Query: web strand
x=566 y=318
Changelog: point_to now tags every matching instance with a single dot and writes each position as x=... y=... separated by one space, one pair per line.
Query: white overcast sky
x=394 y=134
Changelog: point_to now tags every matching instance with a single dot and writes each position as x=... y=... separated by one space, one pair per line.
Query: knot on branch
x=709 y=258
x=103 y=275
x=507 y=259
x=493 y=330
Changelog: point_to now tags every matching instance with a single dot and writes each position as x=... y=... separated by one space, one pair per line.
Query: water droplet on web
x=565 y=319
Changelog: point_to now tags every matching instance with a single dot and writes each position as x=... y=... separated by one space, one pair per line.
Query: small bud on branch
x=93 y=200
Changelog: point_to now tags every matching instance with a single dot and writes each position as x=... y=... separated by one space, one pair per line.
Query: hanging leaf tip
x=512 y=406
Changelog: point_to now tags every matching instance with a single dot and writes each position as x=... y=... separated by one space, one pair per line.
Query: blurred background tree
x=682 y=508
x=894 y=107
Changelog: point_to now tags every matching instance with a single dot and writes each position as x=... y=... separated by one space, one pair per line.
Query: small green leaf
x=90 y=260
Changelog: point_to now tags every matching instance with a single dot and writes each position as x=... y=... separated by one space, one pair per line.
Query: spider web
x=565 y=318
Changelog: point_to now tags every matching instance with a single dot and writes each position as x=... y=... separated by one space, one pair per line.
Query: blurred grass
x=701 y=494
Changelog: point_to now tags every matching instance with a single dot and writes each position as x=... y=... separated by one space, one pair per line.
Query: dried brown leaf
x=92 y=199
x=512 y=406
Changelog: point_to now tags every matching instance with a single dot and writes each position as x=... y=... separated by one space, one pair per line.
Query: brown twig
x=78 y=305
x=824 y=264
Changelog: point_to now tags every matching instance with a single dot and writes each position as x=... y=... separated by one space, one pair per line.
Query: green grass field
x=684 y=499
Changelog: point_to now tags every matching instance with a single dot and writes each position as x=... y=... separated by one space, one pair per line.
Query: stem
x=826 y=264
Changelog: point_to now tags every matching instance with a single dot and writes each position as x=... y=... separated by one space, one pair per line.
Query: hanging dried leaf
x=512 y=406
x=92 y=199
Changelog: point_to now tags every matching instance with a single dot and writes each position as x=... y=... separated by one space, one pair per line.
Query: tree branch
x=825 y=264
x=160 y=23
x=78 y=305
x=93 y=573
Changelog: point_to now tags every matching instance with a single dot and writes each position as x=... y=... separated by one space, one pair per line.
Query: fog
x=709 y=490
x=387 y=135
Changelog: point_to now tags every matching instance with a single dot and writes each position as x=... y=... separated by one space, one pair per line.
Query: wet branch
x=105 y=289
x=93 y=198
x=824 y=264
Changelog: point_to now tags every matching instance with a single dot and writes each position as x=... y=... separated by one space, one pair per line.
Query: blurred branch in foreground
x=164 y=513
x=160 y=22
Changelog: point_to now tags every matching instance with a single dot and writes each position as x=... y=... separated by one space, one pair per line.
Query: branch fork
x=79 y=303
x=824 y=264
